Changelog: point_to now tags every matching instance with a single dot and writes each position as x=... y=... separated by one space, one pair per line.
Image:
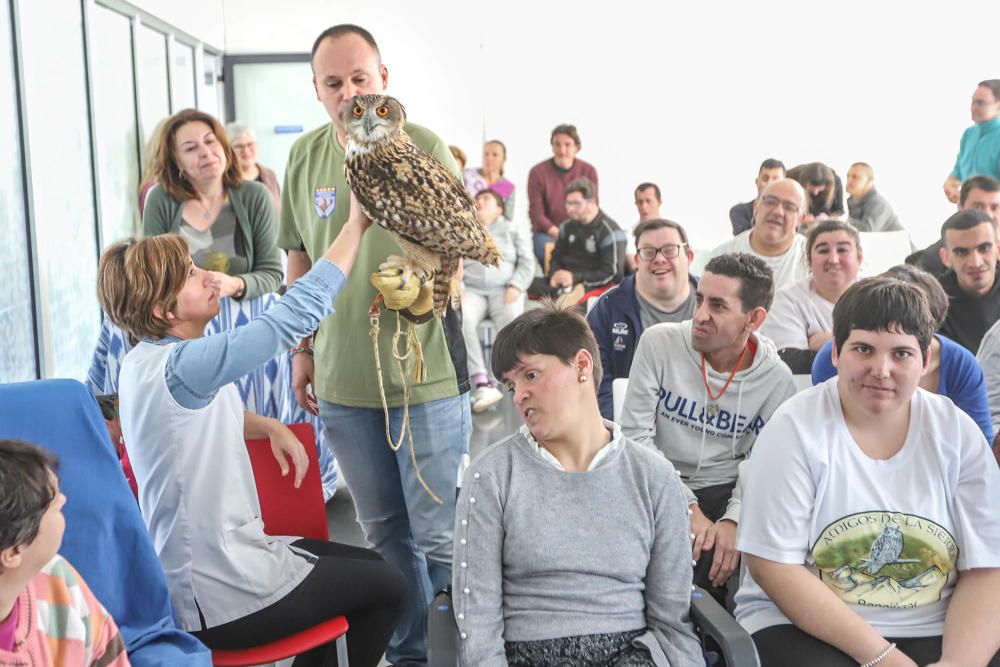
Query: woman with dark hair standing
x=228 y=222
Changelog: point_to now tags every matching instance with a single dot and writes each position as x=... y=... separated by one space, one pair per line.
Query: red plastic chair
x=289 y=511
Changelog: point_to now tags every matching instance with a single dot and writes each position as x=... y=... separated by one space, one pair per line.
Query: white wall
x=691 y=97
x=203 y=19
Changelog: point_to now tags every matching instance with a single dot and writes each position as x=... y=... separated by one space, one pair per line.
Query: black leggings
x=345 y=581
x=788 y=646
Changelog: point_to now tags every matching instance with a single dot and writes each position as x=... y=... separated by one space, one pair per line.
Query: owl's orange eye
x=358 y=112
x=382 y=111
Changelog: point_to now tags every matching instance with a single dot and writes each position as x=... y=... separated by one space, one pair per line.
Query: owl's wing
x=407 y=191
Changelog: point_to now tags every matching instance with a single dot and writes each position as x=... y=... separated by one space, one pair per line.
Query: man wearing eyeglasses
x=774 y=236
x=590 y=248
x=660 y=290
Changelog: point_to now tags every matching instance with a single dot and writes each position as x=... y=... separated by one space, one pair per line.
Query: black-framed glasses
x=671 y=250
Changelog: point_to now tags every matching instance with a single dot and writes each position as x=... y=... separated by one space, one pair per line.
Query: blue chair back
x=105 y=539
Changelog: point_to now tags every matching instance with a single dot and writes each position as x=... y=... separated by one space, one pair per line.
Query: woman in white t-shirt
x=801 y=319
x=871 y=512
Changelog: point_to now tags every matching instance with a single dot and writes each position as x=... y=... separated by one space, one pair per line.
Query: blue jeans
x=400 y=520
x=538 y=242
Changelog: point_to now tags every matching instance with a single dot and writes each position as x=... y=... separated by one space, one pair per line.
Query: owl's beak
x=369 y=124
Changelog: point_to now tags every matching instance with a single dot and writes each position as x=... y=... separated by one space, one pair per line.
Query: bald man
x=868 y=210
x=774 y=236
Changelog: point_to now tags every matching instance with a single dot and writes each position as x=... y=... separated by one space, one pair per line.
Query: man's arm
x=599 y=321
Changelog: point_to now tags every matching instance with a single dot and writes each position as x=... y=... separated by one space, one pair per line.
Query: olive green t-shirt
x=315 y=203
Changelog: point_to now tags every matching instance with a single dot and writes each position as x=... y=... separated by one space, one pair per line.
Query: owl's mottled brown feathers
x=411 y=194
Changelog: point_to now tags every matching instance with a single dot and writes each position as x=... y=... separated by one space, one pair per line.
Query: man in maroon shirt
x=547 y=183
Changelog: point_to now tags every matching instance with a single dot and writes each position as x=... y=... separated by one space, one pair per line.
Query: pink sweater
x=62 y=624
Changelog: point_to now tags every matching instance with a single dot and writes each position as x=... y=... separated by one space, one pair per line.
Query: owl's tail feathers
x=444 y=284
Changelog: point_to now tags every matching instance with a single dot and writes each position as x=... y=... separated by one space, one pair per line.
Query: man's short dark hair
x=569 y=131
x=26 y=491
x=984 y=183
x=583 y=185
x=993 y=85
x=883 y=304
x=965 y=220
x=491 y=193
x=333 y=32
x=771 y=163
x=646 y=186
x=546 y=329
x=756 y=278
x=937 y=298
x=658 y=223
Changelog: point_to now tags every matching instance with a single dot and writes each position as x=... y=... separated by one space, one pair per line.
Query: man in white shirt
x=774 y=236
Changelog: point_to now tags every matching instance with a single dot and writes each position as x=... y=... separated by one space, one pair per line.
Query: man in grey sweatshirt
x=701 y=391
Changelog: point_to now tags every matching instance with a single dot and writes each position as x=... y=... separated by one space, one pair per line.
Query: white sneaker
x=485 y=397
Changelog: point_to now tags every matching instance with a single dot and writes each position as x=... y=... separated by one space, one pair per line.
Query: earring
x=583 y=378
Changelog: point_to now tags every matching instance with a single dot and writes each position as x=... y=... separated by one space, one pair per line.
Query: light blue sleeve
x=198 y=368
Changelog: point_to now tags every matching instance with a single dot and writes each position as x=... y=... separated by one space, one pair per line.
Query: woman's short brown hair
x=166 y=169
x=135 y=276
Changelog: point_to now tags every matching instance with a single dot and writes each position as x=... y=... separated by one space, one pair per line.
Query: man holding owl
x=337 y=378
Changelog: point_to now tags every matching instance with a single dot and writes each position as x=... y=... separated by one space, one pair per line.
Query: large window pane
x=114 y=116
x=17 y=353
x=58 y=137
x=210 y=90
x=154 y=92
x=182 y=73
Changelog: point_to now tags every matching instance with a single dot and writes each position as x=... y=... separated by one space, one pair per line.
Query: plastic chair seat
x=286 y=647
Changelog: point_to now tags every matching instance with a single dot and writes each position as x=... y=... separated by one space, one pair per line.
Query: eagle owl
x=423 y=205
x=885 y=550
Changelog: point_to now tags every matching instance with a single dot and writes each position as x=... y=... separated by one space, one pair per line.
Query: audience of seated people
x=801 y=319
x=774 y=237
x=490 y=176
x=867 y=210
x=951 y=370
x=48 y=615
x=969 y=250
x=661 y=290
x=825 y=190
x=701 y=391
x=741 y=215
x=529 y=591
x=494 y=293
x=871 y=510
x=589 y=252
x=884 y=550
x=547 y=183
x=979 y=193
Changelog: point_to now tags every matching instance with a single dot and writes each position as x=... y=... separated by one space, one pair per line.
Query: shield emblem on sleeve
x=325 y=201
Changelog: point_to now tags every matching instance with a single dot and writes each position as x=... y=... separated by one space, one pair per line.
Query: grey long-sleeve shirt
x=541 y=553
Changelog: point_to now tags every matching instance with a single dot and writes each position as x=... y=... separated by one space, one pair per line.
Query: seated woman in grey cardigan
x=571 y=541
